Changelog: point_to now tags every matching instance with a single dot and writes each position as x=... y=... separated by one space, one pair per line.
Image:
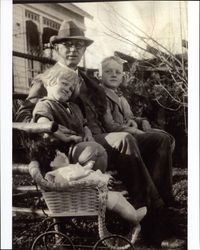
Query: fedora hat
x=70 y=30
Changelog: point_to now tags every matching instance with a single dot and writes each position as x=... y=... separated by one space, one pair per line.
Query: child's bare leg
x=141 y=212
x=118 y=203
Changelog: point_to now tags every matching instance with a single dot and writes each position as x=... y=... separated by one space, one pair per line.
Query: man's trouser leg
x=155 y=149
x=131 y=168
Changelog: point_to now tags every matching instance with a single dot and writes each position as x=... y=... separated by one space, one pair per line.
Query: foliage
x=163 y=101
x=151 y=92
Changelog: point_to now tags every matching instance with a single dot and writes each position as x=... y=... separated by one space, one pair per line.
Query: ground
x=27 y=227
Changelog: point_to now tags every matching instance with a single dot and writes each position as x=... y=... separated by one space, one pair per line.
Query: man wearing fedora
x=70 y=45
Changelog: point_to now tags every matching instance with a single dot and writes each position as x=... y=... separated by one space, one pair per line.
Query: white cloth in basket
x=73 y=173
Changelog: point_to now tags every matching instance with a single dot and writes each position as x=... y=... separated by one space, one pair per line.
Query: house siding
x=19 y=45
x=23 y=69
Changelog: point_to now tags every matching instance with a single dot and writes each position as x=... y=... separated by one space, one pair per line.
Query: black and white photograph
x=100 y=118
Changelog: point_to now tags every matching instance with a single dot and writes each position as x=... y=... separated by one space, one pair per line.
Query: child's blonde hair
x=111 y=58
x=51 y=76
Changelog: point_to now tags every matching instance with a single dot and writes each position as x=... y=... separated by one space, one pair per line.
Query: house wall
x=19 y=45
x=25 y=69
x=57 y=13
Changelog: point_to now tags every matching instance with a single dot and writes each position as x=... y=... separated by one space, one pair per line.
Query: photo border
x=6 y=123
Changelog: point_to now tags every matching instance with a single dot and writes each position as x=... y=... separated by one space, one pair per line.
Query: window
x=32 y=36
x=33 y=48
x=31 y=15
x=51 y=24
x=50 y=29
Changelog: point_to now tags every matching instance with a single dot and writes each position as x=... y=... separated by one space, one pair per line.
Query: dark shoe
x=173 y=243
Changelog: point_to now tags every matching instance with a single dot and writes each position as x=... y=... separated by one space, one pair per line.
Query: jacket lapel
x=113 y=97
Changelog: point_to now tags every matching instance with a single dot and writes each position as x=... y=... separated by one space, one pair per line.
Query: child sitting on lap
x=61 y=84
x=56 y=106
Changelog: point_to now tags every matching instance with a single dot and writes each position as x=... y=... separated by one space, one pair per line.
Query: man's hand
x=133 y=131
x=88 y=138
x=146 y=125
x=88 y=134
x=64 y=137
x=65 y=130
x=132 y=123
x=75 y=138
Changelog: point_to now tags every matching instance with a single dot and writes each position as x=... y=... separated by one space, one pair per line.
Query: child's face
x=63 y=90
x=112 y=74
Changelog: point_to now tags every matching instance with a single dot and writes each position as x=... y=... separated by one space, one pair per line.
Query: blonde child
x=153 y=147
x=56 y=106
x=119 y=117
x=61 y=83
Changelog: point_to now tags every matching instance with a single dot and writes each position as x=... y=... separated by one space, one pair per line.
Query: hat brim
x=57 y=39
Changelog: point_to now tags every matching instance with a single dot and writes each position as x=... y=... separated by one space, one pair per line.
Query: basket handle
x=35 y=173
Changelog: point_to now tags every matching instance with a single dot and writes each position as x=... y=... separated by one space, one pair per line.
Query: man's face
x=71 y=52
x=112 y=74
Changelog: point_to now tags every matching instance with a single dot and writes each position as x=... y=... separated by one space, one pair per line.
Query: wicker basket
x=78 y=200
x=75 y=202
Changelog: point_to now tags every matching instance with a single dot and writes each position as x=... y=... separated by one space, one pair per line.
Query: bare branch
x=126 y=39
x=173 y=98
x=179 y=84
x=167 y=107
x=149 y=37
x=158 y=53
